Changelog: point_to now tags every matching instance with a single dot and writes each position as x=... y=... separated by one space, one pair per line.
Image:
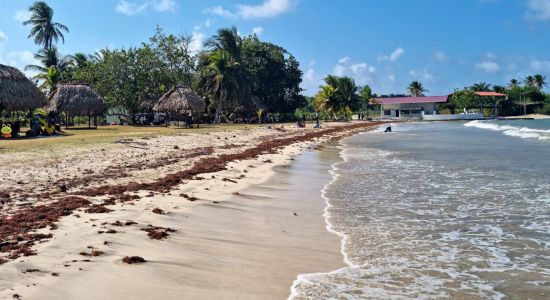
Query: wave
x=306 y=278
x=520 y=132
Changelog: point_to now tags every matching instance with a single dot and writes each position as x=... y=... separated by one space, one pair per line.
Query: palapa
x=17 y=93
x=77 y=99
x=180 y=99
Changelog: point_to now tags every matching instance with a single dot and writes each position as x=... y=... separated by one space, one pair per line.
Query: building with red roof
x=410 y=107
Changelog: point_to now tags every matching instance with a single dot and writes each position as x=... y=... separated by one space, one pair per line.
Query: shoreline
x=217 y=191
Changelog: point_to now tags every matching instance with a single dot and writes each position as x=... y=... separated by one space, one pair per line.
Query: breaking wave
x=515 y=131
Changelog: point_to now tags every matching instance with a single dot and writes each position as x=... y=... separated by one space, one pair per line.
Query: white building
x=410 y=107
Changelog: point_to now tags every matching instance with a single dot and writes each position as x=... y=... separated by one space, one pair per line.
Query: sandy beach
x=241 y=230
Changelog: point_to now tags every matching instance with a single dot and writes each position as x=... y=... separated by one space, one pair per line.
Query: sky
x=445 y=44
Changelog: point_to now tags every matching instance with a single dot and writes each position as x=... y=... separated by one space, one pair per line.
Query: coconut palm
x=222 y=78
x=48 y=58
x=416 y=89
x=225 y=75
x=227 y=39
x=481 y=87
x=79 y=60
x=50 y=79
x=513 y=83
x=530 y=81
x=44 y=31
x=499 y=89
x=540 y=81
x=326 y=100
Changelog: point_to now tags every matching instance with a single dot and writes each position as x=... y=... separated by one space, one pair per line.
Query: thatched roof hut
x=17 y=92
x=77 y=99
x=180 y=99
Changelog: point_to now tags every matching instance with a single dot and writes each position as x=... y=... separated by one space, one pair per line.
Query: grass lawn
x=83 y=137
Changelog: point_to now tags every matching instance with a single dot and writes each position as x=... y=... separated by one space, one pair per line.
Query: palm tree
x=79 y=60
x=416 y=89
x=44 y=30
x=530 y=81
x=54 y=68
x=222 y=78
x=347 y=89
x=225 y=75
x=50 y=79
x=366 y=95
x=338 y=95
x=227 y=39
x=513 y=83
x=499 y=89
x=481 y=87
x=540 y=81
x=325 y=99
x=48 y=58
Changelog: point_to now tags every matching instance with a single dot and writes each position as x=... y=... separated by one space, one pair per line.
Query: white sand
x=244 y=247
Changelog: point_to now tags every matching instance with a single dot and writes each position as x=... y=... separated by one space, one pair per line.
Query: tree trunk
x=217 y=119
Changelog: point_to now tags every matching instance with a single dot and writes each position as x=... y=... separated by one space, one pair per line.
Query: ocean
x=440 y=210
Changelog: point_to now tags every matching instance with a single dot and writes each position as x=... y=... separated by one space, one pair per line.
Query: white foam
x=521 y=132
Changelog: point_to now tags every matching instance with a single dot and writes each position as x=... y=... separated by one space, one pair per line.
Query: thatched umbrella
x=77 y=99
x=17 y=93
x=180 y=99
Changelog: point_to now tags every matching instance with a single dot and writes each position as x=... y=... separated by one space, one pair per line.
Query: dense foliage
x=525 y=99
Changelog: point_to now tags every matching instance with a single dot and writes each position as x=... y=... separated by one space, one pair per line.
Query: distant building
x=410 y=107
x=423 y=108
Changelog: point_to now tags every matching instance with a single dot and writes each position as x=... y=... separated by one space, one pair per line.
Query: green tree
x=513 y=83
x=48 y=58
x=499 y=89
x=530 y=81
x=44 y=30
x=275 y=75
x=416 y=89
x=221 y=78
x=481 y=87
x=50 y=79
x=338 y=96
x=174 y=58
x=366 y=96
x=223 y=75
x=540 y=81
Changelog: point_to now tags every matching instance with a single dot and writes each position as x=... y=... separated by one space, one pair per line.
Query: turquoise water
x=441 y=210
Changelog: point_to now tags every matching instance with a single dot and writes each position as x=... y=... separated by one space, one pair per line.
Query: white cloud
x=22 y=16
x=394 y=56
x=131 y=8
x=3 y=37
x=344 y=60
x=258 y=30
x=540 y=65
x=222 y=12
x=391 y=78
x=196 y=42
x=490 y=55
x=164 y=5
x=538 y=10
x=488 y=66
x=361 y=72
x=423 y=75
x=312 y=80
x=267 y=9
x=440 y=56
x=19 y=59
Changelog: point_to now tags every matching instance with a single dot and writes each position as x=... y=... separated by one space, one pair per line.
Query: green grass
x=82 y=137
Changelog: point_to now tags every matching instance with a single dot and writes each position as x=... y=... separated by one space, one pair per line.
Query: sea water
x=440 y=210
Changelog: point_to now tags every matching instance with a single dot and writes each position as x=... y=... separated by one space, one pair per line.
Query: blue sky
x=445 y=44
